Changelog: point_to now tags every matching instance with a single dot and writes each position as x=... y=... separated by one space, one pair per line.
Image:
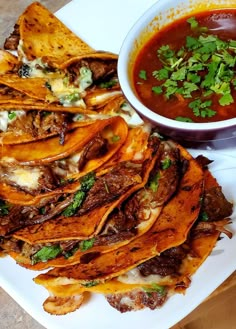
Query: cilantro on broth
x=199 y=74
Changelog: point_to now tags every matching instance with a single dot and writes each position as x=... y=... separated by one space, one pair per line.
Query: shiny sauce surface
x=190 y=87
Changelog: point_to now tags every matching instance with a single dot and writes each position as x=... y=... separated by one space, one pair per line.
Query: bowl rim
x=125 y=84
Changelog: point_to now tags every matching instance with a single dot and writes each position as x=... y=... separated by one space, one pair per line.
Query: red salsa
x=187 y=71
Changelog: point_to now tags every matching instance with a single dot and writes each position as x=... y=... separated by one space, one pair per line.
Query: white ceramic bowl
x=159 y=15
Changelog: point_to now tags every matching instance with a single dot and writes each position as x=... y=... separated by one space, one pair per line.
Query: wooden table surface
x=217 y=312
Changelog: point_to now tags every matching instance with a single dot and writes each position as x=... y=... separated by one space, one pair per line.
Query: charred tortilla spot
x=86 y=258
x=187 y=188
x=134 y=249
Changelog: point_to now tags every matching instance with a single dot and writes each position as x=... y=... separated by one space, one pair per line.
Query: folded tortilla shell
x=43 y=34
x=200 y=249
x=34 y=88
x=84 y=226
x=65 y=287
x=49 y=150
x=170 y=229
x=8 y=62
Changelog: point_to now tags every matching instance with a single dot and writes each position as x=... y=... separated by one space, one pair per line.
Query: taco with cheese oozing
x=34 y=168
x=121 y=224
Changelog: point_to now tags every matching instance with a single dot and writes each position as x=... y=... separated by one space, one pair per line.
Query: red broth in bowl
x=187 y=71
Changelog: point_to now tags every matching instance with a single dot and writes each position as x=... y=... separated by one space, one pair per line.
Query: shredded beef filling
x=21 y=216
x=96 y=148
x=46 y=182
x=136 y=300
x=168 y=263
x=111 y=186
x=215 y=205
x=100 y=69
x=40 y=123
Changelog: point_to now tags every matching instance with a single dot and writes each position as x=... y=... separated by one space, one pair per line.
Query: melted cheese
x=67 y=94
x=134 y=277
x=26 y=178
x=6 y=119
x=3 y=120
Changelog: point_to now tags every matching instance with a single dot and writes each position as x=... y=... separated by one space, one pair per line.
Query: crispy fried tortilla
x=8 y=62
x=114 y=130
x=24 y=167
x=147 y=285
x=20 y=126
x=114 y=187
x=43 y=35
x=33 y=88
x=128 y=220
x=170 y=229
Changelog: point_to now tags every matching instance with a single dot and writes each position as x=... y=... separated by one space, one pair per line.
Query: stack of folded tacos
x=109 y=206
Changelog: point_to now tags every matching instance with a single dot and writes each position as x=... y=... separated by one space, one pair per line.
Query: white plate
x=103 y=24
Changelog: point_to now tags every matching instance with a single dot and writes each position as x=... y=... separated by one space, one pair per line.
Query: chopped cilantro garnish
x=11 y=115
x=70 y=252
x=205 y=65
x=115 y=138
x=155 y=288
x=143 y=75
x=226 y=99
x=46 y=253
x=153 y=182
x=183 y=119
x=165 y=51
x=193 y=22
x=202 y=109
x=86 y=183
x=166 y=163
x=157 y=90
x=90 y=284
x=108 y=84
x=161 y=74
x=86 y=244
x=203 y=216
x=71 y=98
x=4 y=208
x=77 y=201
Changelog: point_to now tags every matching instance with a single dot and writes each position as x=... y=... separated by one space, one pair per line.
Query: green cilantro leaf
x=153 y=182
x=183 y=119
x=192 y=77
x=166 y=163
x=108 y=84
x=11 y=115
x=87 y=244
x=46 y=253
x=155 y=288
x=192 y=43
x=143 y=75
x=165 y=51
x=171 y=87
x=161 y=74
x=4 y=208
x=179 y=74
x=202 y=108
x=203 y=216
x=157 y=90
x=226 y=99
x=193 y=22
x=71 y=209
x=90 y=284
x=87 y=181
